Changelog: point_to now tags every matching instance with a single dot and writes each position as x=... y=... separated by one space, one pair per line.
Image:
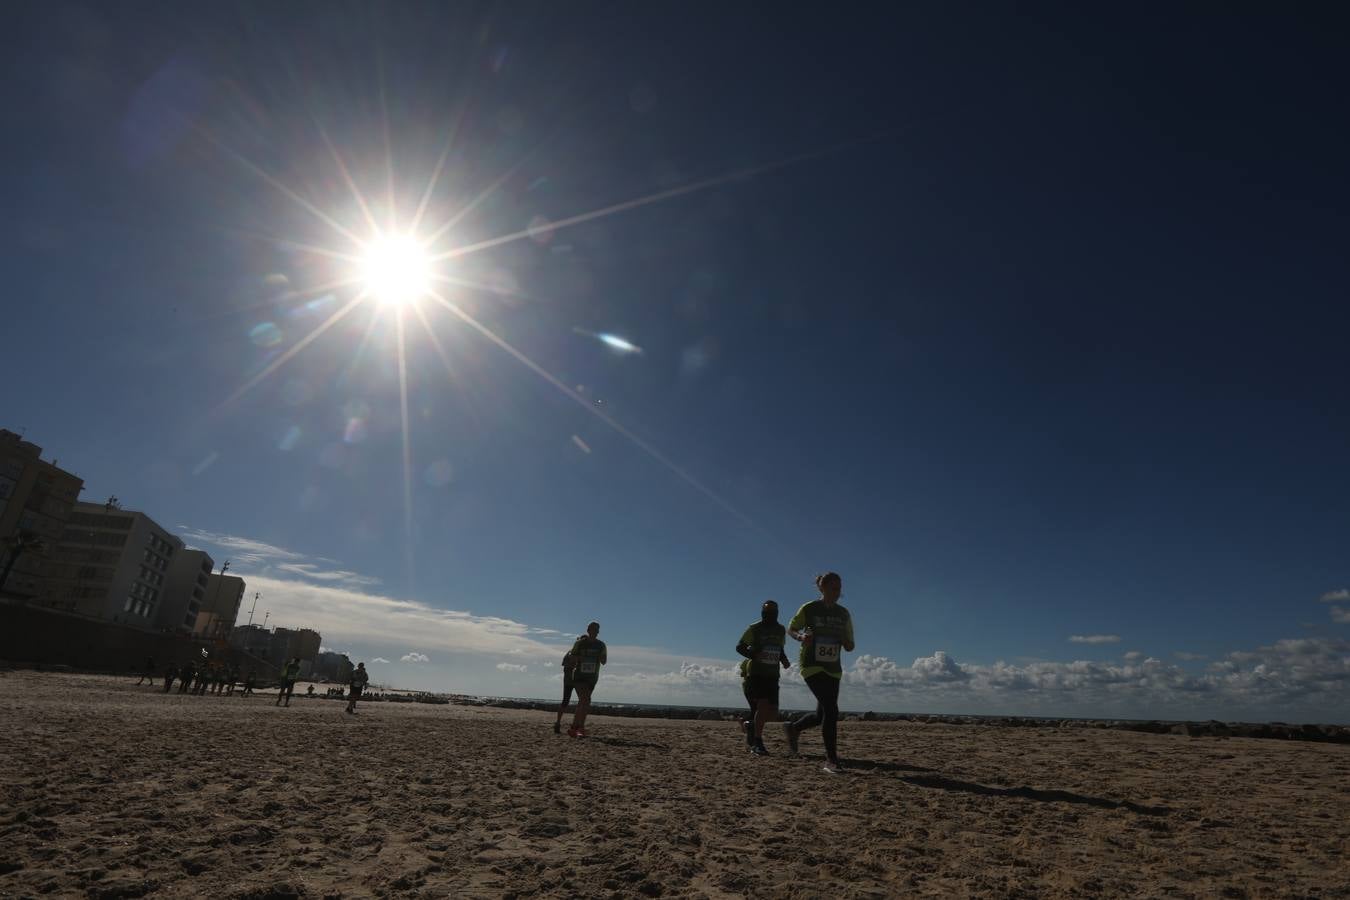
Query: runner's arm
x=746 y=642
x=848 y=636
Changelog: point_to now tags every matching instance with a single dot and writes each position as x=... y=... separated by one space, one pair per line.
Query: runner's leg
x=826 y=690
x=584 y=689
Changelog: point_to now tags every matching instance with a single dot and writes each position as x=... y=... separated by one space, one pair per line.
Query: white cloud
x=349 y=616
x=1310 y=674
x=511 y=667
x=379 y=659
x=414 y=657
x=1336 y=596
x=1094 y=639
x=1189 y=657
x=1340 y=615
x=1134 y=656
x=245 y=550
x=340 y=576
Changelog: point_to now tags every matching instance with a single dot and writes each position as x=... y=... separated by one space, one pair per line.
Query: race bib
x=589 y=667
x=826 y=649
x=769 y=654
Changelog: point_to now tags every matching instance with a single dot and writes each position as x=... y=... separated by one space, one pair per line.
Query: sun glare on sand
x=396 y=270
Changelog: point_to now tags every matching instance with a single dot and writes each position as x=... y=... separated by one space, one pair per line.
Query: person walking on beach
x=589 y=654
x=358 y=684
x=824 y=628
x=169 y=674
x=289 y=675
x=568 y=665
x=148 y=674
x=762 y=646
x=185 y=676
x=248 y=684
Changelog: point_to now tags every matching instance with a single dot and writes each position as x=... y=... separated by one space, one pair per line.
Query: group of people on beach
x=199 y=679
x=216 y=678
x=824 y=629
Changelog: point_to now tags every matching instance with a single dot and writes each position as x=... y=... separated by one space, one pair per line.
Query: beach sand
x=110 y=790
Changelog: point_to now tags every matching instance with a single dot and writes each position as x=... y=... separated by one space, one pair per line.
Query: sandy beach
x=112 y=790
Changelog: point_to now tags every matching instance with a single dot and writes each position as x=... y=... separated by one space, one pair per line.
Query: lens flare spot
x=290 y=439
x=581 y=445
x=621 y=345
x=356 y=431
x=540 y=230
x=265 y=334
x=439 y=473
x=206 y=463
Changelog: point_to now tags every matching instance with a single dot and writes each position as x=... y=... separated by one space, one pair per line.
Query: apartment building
x=220 y=608
x=36 y=501
x=185 y=591
x=112 y=564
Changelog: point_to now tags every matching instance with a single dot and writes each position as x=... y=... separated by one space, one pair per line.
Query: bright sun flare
x=395 y=270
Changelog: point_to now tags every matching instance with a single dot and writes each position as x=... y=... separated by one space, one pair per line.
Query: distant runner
x=289 y=676
x=568 y=664
x=762 y=647
x=824 y=628
x=148 y=673
x=358 y=684
x=589 y=654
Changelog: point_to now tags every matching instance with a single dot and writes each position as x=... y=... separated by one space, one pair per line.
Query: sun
x=395 y=269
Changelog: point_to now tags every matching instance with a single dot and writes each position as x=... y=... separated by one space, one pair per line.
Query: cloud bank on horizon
x=463 y=652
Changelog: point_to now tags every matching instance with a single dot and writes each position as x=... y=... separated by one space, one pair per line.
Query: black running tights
x=826 y=689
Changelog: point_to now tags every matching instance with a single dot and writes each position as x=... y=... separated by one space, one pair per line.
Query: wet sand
x=112 y=790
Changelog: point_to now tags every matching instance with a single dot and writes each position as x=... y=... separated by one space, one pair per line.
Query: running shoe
x=832 y=768
x=571 y=732
x=791 y=734
x=759 y=750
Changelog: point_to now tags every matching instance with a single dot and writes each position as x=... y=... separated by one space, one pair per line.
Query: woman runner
x=568 y=663
x=824 y=628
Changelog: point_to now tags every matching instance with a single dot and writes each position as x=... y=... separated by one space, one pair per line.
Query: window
x=126 y=607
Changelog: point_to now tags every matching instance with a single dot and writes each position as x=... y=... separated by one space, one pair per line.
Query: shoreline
x=1274 y=730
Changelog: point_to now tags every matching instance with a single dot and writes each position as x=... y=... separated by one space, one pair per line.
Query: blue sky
x=1031 y=324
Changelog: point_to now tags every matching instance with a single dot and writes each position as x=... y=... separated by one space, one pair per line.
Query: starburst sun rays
x=397 y=269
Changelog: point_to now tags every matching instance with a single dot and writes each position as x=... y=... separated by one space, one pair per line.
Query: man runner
x=358 y=684
x=762 y=647
x=590 y=654
x=289 y=676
